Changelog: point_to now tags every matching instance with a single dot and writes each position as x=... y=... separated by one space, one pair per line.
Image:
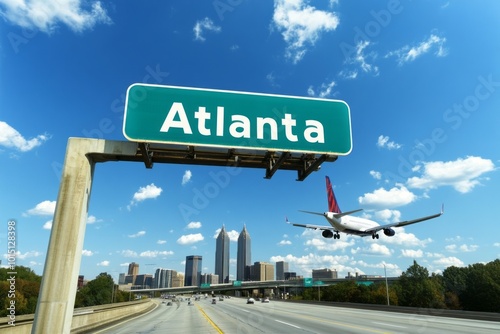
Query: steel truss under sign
x=271 y=161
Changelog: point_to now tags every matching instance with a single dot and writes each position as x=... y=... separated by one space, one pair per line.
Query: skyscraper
x=193 y=270
x=262 y=271
x=133 y=268
x=244 y=256
x=281 y=269
x=222 y=256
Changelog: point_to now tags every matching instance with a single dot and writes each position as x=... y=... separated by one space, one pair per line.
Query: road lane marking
x=386 y=324
x=286 y=323
x=210 y=320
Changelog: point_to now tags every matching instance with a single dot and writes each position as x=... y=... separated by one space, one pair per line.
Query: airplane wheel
x=376 y=236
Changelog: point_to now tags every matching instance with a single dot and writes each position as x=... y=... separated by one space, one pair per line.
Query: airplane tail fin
x=333 y=205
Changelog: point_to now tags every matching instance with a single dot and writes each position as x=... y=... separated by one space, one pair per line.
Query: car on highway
x=250 y=301
x=214 y=301
x=265 y=300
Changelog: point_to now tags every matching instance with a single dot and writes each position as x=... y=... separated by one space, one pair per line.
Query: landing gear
x=375 y=236
x=336 y=236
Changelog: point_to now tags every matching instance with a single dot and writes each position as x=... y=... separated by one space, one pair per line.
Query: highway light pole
x=386 y=286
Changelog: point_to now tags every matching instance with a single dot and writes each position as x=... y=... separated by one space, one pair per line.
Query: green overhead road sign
x=236 y=283
x=205 y=285
x=230 y=119
x=308 y=282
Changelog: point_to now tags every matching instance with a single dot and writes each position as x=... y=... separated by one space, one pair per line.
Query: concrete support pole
x=56 y=300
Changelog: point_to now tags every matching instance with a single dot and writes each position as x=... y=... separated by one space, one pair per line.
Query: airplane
x=345 y=223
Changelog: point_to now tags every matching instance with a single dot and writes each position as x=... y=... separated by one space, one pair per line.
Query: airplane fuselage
x=350 y=224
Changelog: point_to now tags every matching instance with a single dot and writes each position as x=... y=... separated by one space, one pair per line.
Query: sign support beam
x=56 y=300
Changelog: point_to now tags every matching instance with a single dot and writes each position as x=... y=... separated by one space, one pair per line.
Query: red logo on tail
x=333 y=206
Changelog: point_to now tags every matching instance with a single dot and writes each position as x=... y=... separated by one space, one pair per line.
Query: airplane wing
x=314 y=227
x=405 y=222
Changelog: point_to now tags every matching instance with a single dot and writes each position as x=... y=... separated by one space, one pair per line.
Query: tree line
x=472 y=288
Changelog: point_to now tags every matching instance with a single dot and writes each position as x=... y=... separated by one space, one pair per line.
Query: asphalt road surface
x=234 y=315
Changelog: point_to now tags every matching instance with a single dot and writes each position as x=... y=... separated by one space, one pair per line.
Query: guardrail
x=486 y=316
x=85 y=319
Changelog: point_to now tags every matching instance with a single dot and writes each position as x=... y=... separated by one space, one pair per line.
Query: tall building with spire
x=222 y=256
x=244 y=256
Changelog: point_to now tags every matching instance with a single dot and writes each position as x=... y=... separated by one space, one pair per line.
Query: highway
x=235 y=316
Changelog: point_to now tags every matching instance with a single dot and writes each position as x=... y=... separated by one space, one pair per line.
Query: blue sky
x=422 y=79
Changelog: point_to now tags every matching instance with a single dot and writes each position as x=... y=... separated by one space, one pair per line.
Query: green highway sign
x=318 y=283
x=308 y=282
x=204 y=285
x=236 y=283
x=230 y=119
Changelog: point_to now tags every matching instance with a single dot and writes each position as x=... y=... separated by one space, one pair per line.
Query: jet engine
x=389 y=232
x=327 y=234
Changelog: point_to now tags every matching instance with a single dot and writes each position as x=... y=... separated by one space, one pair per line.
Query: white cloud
x=301 y=25
x=284 y=243
x=128 y=253
x=360 y=59
x=449 y=261
x=87 y=252
x=410 y=53
x=92 y=219
x=329 y=244
x=394 y=197
x=47 y=225
x=186 y=177
x=23 y=256
x=348 y=74
x=103 y=264
x=376 y=175
x=388 y=216
x=411 y=253
x=193 y=225
x=46 y=15
x=233 y=235
x=161 y=242
x=153 y=254
x=383 y=142
x=461 y=174
x=204 y=25
x=45 y=208
x=190 y=239
x=144 y=193
x=372 y=249
x=138 y=234
x=454 y=239
x=462 y=248
x=11 y=138
x=324 y=91
x=405 y=239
